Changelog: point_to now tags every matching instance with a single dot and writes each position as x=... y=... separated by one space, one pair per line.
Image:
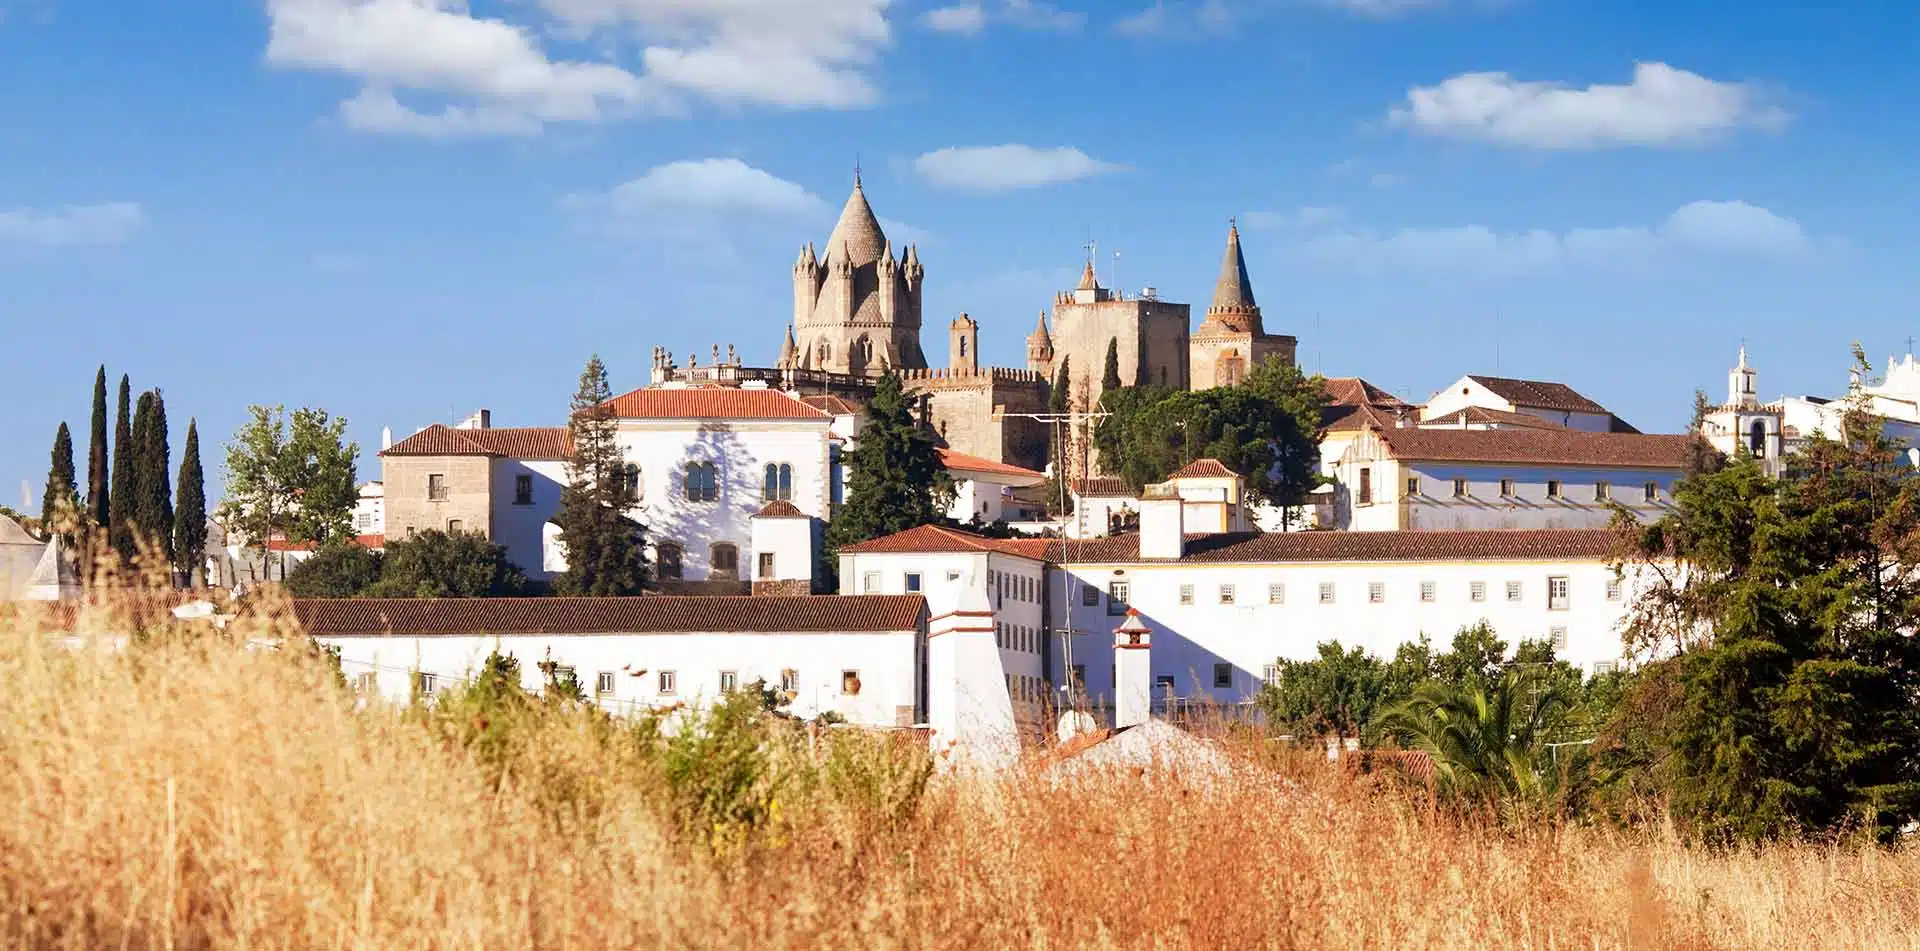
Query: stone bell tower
x=856 y=307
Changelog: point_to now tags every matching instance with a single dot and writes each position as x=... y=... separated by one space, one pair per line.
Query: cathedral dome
x=857 y=237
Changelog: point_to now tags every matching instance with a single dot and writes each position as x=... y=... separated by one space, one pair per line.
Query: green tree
x=190 y=519
x=1057 y=405
x=324 y=468
x=1335 y=694
x=606 y=548
x=1476 y=657
x=289 y=477
x=152 y=475
x=898 y=482
x=341 y=569
x=436 y=564
x=1791 y=697
x=1486 y=739
x=122 y=502
x=1110 y=375
x=98 y=504
x=60 y=504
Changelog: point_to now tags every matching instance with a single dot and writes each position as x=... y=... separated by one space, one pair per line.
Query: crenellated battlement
x=958 y=375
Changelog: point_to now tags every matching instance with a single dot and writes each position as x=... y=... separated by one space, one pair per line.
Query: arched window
x=633 y=480
x=702 y=483
x=778 y=482
x=725 y=561
x=1757 y=439
x=963 y=346
x=668 y=558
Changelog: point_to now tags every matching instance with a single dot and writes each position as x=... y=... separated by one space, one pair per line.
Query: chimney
x=967 y=701
x=1132 y=672
x=386 y=438
x=1162 y=523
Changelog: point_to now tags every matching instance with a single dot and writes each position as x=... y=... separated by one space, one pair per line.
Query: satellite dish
x=1075 y=723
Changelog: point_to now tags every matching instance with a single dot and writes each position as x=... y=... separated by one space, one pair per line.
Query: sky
x=404 y=210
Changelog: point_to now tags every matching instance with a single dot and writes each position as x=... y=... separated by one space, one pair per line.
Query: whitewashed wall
x=519 y=528
x=1014 y=586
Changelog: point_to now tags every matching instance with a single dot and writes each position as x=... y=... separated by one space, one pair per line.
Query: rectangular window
x=1605 y=667
x=668 y=681
x=850 y=683
x=1652 y=491
x=523 y=490
x=1366 y=486
x=1226 y=594
x=1477 y=590
x=729 y=681
x=1506 y=488
x=426 y=683
x=790 y=680
x=1271 y=675
x=1089 y=595
x=1513 y=591
x=1413 y=486
x=1557 y=588
x=367 y=682
x=455 y=526
x=766 y=565
x=437 y=487
x=1602 y=492
x=870 y=583
x=1553 y=488
x=1223 y=675
x=913 y=582
x=1186 y=594
x=1376 y=592
x=1326 y=592
x=1459 y=488
x=953 y=576
x=1557 y=636
x=1613 y=589
x=1426 y=592
x=1117 y=593
x=603 y=682
x=1163 y=685
x=1276 y=594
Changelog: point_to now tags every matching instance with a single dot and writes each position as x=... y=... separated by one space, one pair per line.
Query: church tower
x=1740 y=384
x=856 y=308
x=1744 y=425
x=1040 y=347
x=1232 y=341
x=963 y=343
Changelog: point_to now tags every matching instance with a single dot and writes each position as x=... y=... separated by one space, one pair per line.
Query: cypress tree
x=140 y=510
x=190 y=519
x=606 y=553
x=898 y=482
x=59 y=503
x=153 y=512
x=1110 y=377
x=121 y=508
x=1057 y=404
x=97 y=510
x=1057 y=399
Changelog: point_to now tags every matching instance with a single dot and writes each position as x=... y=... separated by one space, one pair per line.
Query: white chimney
x=386 y=438
x=1132 y=672
x=1163 y=523
x=968 y=704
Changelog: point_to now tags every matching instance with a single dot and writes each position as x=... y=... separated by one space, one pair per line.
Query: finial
x=1233 y=224
x=856 y=171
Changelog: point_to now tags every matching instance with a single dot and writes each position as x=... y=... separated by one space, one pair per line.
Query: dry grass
x=203 y=796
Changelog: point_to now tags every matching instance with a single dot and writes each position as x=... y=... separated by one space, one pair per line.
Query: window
x=367 y=682
x=1276 y=594
x=1376 y=592
x=1089 y=595
x=1223 y=675
x=603 y=683
x=362 y=522
x=1757 y=439
x=1413 y=486
x=1652 y=491
x=455 y=526
x=1605 y=667
x=668 y=680
x=1602 y=492
x=870 y=583
x=1506 y=488
x=702 y=485
x=1186 y=594
x=1513 y=591
x=1271 y=675
x=1553 y=488
x=437 y=487
x=523 y=490
x=953 y=576
x=766 y=565
x=1163 y=684
x=1557 y=593
x=1459 y=488
x=1557 y=636
x=729 y=681
x=1477 y=590
x=426 y=683
x=1226 y=594
x=668 y=556
x=1426 y=592
x=850 y=683
x=1117 y=593
x=1366 y=486
x=725 y=559
x=1326 y=592
x=633 y=479
x=913 y=582
x=1613 y=589
x=778 y=482
x=790 y=680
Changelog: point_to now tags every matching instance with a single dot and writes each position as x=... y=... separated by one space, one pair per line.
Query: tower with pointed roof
x=1150 y=335
x=1232 y=340
x=1040 y=347
x=856 y=305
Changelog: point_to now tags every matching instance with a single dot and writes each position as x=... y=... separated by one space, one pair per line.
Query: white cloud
x=966 y=19
x=109 y=223
x=1305 y=217
x=1181 y=17
x=972 y=18
x=989 y=168
x=725 y=186
x=1661 y=107
x=1697 y=231
x=1382 y=9
x=498 y=78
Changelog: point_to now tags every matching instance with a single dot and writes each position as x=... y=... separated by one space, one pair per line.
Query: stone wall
x=1253 y=349
x=964 y=405
x=1081 y=332
x=469 y=493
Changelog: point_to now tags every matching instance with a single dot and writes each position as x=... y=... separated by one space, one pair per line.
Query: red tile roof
x=375 y=542
x=713 y=403
x=1482 y=416
x=961 y=462
x=1103 y=487
x=528 y=442
x=931 y=539
x=1565 y=447
x=373 y=617
x=830 y=404
x=1203 y=469
x=1353 y=419
x=1354 y=391
x=1247 y=547
x=1539 y=394
x=781 y=508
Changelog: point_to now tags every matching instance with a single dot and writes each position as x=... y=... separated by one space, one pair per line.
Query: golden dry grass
x=205 y=796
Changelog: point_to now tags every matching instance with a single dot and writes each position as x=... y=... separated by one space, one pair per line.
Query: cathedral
x=857 y=314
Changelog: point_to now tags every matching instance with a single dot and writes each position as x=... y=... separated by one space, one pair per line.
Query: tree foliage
x=190 y=519
x=60 y=503
x=436 y=564
x=340 y=570
x=606 y=548
x=1486 y=738
x=897 y=482
x=121 y=498
x=152 y=478
x=98 y=497
x=290 y=476
x=1110 y=373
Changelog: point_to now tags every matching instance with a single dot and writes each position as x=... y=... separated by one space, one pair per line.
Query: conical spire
x=788 y=351
x=1088 y=281
x=1233 y=303
x=1040 y=329
x=857 y=237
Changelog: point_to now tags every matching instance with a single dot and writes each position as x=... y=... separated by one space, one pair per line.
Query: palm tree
x=1485 y=741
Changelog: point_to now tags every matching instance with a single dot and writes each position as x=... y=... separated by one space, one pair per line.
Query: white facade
x=1785 y=425
x=983 y=489
x=370 y=510
x=519 y=520
x=1471 y=391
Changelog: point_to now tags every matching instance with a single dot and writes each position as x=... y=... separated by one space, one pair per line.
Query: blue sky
x=402 y=210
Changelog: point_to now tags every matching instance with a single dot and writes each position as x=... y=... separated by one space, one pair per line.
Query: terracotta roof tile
x=1104 y=487
x=1538 y=446
x=1353 y=419
x=1248 y=547
x=929 y=539
x=529 y=442
x=1539 y=394
x=713 y=403
x=367 y=617
x=961 y=462
x=1354 y=391
x=1202 y=469
x=781 y=508
x=831 y=405
x=1481 y=416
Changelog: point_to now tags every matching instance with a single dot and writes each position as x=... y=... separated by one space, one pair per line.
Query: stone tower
x=1040 y=347
x=856 y=308
x=1232 y=340
x=963 y=343
x=1150 y=335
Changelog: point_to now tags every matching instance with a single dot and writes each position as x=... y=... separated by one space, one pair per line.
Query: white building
x=370 y=510
x=858 y=657
x=1556 y=403
x=1771 y=431
x=984 y=489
